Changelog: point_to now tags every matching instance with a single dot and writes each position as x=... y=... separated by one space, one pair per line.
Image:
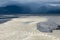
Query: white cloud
x=54 y=5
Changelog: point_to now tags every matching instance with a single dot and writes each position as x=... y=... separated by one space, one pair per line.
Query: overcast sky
x=6 y=2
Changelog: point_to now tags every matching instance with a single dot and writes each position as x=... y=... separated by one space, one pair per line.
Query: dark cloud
x=31 y=6
x=7 y=2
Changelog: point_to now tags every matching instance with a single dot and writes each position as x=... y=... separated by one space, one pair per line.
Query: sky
x=7 y=2
x=33 y=5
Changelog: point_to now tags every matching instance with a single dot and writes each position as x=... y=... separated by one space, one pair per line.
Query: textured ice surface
x=47 y=26
x=16 y=29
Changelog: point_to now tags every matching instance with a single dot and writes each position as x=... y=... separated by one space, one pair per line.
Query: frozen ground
x=24 y=28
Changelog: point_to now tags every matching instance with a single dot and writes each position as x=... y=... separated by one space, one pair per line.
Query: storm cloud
x=7 y=2
x=32 y=6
